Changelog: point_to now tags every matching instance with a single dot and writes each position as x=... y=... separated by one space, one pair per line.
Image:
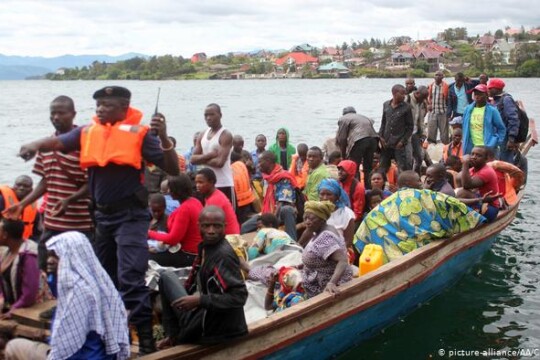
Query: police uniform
x=113 y=154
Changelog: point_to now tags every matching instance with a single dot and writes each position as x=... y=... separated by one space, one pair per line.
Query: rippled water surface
x=495 y=306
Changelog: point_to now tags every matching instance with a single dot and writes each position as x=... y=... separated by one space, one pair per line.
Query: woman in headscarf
x=90 y=320
x=325 y=256
x=283 y=148
x=342 y=218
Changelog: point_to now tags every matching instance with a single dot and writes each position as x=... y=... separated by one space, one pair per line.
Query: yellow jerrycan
x=371 y=258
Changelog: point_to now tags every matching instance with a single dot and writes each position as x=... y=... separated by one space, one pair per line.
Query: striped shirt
x=439 y=104
x=64 y=177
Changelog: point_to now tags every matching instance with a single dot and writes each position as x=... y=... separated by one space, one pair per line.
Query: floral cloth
x=411 y=218
x=268 y=240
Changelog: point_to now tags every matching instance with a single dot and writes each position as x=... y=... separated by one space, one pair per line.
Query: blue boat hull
x=365 y=324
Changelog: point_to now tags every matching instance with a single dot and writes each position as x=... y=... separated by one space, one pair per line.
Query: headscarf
x=322 y=209
x=336 y=189
x=87 y=300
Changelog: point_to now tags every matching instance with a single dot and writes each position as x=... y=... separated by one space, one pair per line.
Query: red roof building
x=298 y=58
x=198 y=57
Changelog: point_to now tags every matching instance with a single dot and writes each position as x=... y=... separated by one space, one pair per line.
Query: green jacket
x=276 y=149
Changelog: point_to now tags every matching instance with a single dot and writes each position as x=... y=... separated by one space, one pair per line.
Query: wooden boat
x=325 y=325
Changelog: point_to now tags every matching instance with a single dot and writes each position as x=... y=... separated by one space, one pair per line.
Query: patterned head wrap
x=290 y=279
x=322 y=209
x=336 y=189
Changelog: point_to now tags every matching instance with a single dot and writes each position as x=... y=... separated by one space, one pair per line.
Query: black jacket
x=223 y=295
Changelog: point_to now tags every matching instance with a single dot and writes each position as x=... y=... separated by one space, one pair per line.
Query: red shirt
x=220 y=200
x=489 y=177
x=183 y=225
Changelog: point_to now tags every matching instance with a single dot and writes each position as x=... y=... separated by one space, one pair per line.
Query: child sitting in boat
x=285 y=289
x=412 y=217
x=269 y=238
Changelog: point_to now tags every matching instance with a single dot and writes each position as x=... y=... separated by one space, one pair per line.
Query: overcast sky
x=183 y=27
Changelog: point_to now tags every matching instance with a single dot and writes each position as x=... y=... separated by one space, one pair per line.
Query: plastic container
x=371 y=258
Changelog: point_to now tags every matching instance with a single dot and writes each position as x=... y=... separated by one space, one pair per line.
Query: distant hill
x=19 y=72
x=21 y=67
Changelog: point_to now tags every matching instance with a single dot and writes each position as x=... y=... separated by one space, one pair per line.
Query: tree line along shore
x=505 y=53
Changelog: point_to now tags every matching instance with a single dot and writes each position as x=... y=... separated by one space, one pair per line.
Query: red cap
x=481 y=87
x=495 y=83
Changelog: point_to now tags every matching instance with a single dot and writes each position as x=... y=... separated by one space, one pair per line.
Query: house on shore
x=198 y=57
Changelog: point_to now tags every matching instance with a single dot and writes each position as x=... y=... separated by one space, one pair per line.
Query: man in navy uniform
x=113 y=148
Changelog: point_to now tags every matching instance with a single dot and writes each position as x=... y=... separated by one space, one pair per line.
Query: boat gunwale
x=312 y=306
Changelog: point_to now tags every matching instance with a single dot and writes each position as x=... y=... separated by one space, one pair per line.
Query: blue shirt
x=255 y=158
x=92 y=349
x=462 y=100
x=192 y=168
x=170 y=204
x=111 y=183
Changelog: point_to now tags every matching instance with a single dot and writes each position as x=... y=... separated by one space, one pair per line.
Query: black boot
x=147 y=345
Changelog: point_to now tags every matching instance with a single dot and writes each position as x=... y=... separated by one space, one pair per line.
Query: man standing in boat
x=64 y=182
x=396 y=130
x=213 y=149
x=437 y=99
x=113 y=148
x=509 y=114
x=357 y=140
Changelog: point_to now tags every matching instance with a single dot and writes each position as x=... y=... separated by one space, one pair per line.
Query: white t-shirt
x=341 y=218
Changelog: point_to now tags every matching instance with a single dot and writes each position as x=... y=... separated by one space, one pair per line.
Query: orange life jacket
x=301 y=177
x=513 y=179
x=242 y=185
x=29 y=213
x=133 y=117
x=119 y=144
x=452 y=150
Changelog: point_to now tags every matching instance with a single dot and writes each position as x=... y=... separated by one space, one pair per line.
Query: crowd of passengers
x=361 y=187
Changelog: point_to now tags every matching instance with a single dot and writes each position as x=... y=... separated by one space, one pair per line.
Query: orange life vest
x=301 y=177
x=119 y=144
x=29 y=213
x=456 y=151
x=513 y=179
x=133 y=117
x=242 y=186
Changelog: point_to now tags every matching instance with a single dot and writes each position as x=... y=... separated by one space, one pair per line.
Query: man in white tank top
x=213 y=149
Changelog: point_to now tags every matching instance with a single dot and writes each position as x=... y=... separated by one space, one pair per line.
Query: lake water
x=495 y=306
